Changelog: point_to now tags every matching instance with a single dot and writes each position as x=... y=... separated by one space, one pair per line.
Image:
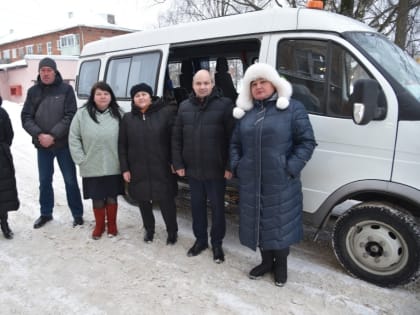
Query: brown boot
x=111 y=213
x=99 y=223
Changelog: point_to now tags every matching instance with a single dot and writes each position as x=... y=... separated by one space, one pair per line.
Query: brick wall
x=86 y=34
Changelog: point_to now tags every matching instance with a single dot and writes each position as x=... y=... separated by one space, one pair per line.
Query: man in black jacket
x=200 y=145
x=46 y=115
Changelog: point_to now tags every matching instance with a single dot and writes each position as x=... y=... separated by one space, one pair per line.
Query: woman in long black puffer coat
x=8 y=193
x=145 y=158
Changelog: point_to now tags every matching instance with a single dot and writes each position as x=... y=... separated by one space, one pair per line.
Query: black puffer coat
x=200 y=141
x=144 y=148
x=49 y=109
x=8 y=192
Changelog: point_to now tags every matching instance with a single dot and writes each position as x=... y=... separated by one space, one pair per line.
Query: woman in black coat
x=271 y=144
x=8 y=193
x=145 y=158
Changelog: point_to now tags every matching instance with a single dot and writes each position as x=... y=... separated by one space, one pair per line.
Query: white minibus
x=362 y=94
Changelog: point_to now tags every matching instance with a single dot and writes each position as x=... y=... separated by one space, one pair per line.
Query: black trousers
x=168 y=209
x=214 y=191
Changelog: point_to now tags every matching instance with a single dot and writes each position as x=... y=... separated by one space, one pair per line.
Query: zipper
x=259 y=125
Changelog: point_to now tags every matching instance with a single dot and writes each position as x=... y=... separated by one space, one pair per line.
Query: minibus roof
x=258 y=22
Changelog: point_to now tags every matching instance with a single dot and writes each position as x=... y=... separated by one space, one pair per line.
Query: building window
x=30 y=49
x=6 y=54
x=14 y=54
x=58 y=43
x=21 y=52
x=69 y=40
x=49 y=48
x=39 y=48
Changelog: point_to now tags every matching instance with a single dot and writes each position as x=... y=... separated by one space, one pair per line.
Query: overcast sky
x=21 y=15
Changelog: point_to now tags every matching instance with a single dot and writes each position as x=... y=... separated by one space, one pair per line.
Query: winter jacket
x=94 y=146
x=200 y=142
x=145 y=150
x=269 y=149
x=49 y=109
x=8 y=192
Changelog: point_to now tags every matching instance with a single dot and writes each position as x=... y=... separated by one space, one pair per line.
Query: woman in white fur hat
x=272 y=142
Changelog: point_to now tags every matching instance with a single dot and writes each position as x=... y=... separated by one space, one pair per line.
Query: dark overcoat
x=200 y=141
x=49 y=109
x=8 y=192
x=269 y=148
x=144 y=149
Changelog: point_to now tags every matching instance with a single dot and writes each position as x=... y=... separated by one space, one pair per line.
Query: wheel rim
x=377 y=247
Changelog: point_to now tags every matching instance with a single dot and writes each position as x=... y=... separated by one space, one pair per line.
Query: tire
x=378 y=243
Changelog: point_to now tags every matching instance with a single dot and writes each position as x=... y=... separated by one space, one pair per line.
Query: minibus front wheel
x=378 y=243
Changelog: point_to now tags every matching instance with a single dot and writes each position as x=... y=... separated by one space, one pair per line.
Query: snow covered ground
x=60 y=270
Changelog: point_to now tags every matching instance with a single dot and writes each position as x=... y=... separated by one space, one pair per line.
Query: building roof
x=23 y=62
x=80 y=20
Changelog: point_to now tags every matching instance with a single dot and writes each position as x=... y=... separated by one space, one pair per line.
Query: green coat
x=94 y=146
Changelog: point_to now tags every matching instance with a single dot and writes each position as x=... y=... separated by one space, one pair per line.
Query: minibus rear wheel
x=378 y=243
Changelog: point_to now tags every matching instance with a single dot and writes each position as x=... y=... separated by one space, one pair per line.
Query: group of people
x=266 y=148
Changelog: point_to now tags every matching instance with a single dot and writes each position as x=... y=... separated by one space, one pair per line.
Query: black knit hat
x=142 y=87
x=47 y=62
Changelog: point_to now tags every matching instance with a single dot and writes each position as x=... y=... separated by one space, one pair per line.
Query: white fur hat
x=256 y=71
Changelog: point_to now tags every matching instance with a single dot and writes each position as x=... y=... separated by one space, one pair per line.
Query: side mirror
x=364 y=100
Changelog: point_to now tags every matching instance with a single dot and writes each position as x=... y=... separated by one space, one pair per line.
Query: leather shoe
x=218 y=254
x=196 y=249
x=78 y=221
x=40 y=222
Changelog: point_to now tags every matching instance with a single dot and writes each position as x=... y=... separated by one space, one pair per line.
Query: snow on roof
x=72 y=20
x=23 y=62
x=16 y=64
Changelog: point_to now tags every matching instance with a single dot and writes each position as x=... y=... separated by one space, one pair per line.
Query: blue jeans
x=46 y=171
x=214 y=190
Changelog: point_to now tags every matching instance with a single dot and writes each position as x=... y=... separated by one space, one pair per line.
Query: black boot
x=280 y=266
x=172 y=238
x=7 y=232
x=148 y=236
x=265 y=266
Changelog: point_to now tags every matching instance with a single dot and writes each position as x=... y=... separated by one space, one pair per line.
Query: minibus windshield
x=390 y=57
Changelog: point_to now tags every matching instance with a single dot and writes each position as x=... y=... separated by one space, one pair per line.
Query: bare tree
x=194 y=10
x=397 y=19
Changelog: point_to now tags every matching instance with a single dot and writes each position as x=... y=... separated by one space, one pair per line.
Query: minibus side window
x=88 y=75
x=303 y=63
x=126 y=71
x=345 y=70
x=322 y=74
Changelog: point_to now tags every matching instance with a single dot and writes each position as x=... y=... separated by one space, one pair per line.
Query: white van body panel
x=407 y=154
x=309 y=19
x=264 y=21
x=346 y=152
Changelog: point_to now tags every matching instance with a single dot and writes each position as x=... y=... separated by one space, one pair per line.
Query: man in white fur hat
x=272 y=141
